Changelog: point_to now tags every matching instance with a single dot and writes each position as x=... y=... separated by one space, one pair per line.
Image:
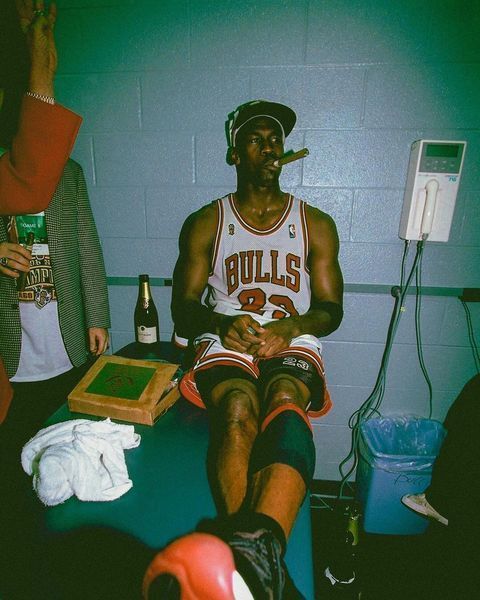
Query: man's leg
x=457 y=468
x=201 y=566
x=456 y=471
x=234 y=412
x=284 y=455
x=280 y=469
x=281 y=465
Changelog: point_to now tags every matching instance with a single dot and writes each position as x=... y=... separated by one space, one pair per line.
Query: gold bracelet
x=42 y=97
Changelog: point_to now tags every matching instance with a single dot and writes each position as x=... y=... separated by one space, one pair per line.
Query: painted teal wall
x=154 y=81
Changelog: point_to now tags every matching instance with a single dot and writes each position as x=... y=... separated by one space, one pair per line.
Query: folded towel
x=80 y=457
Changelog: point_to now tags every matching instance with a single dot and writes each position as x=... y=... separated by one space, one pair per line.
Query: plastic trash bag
x=401 y=443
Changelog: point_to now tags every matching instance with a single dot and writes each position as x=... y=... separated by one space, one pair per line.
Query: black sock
x=244 y=520
x=251 y=521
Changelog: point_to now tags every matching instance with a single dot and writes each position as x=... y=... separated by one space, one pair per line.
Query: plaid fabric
x=78 y=271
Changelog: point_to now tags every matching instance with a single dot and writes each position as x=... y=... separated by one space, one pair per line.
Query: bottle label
x=147 y=335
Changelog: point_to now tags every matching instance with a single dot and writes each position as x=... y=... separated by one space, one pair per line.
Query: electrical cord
x=406 y=248
x=471 y=336
x=371 y=405
x=418 y=334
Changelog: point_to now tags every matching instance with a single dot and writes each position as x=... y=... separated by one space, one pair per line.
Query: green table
x=170 y=491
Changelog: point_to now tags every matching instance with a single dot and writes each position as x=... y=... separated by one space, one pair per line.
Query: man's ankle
x=251 y=521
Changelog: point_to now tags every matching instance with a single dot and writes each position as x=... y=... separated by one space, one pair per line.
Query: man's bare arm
x=326 y=284
x=37 y=23
x=190 y=279
x=326 y=280
x=191 y=272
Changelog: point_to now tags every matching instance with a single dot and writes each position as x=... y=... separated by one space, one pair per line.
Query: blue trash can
x=396 y=456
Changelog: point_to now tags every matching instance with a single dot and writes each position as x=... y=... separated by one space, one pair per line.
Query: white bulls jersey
x=260 y=272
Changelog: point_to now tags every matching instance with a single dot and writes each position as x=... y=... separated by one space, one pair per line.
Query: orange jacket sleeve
x=31 y=170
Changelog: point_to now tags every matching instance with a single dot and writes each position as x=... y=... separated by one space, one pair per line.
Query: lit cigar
x=288 y=158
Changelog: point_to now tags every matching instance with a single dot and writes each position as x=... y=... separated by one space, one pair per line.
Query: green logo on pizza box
x=121 y=381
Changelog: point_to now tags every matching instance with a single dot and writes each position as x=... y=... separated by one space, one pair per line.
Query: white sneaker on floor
x=420 y=504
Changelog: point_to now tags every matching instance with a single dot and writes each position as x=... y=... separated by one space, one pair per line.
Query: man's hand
x=13 y=258
x=98 y=340
x=37 y=24
x=241 y=334
x=276 y=336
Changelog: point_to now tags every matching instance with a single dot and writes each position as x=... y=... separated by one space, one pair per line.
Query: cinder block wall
x=154 y=81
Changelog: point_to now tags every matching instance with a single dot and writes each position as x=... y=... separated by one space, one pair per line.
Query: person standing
x=51 y=328
x=31 y=167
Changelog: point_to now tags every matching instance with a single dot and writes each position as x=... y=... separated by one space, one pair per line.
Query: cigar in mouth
x=288 y=158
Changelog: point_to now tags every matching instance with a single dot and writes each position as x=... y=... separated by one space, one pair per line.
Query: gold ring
x=4 y=261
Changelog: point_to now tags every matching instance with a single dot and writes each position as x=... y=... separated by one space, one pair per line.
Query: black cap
x=258 y=108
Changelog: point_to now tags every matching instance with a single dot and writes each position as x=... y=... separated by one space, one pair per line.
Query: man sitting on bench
x=268 y=263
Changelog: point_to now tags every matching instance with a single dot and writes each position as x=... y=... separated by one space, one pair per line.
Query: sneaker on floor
x=198 y=566
x=420 y=504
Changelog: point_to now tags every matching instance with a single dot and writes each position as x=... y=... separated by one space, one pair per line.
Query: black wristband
x=194 y=319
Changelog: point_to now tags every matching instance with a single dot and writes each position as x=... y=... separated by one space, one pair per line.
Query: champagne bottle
x=341 y=572
x=146 y=316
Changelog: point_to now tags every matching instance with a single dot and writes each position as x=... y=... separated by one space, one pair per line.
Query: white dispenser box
x=434 y=172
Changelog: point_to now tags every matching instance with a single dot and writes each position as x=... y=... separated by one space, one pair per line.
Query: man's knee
x=214 y=383
x=284 y=389
x=286 y=438
x=306 y=375
x=236 y=407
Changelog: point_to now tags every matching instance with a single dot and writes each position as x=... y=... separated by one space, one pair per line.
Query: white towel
x=80 y=457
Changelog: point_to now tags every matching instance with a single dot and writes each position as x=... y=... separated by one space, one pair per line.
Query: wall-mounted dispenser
x=433 y=178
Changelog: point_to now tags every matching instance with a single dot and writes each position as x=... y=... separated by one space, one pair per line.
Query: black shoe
x=258 y=559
